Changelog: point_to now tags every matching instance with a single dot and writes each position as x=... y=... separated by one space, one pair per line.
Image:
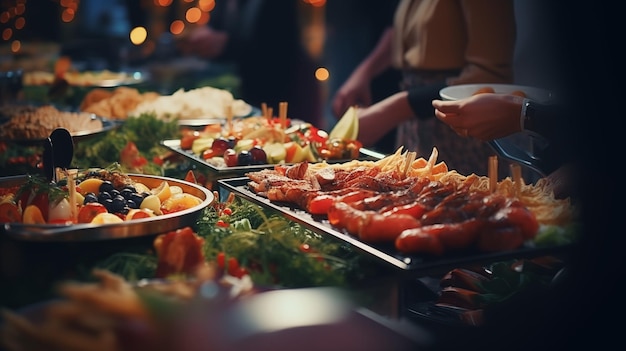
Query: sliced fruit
x=139 y=213
x=347 y=128
x=175 y=189
x=32 y=215
x=90 y=185
x=141 y=188
x=180 y=202
x=106 y=218
x=162 y=191
x=153 y=203
x=10 y=213
x=276 y=152
x=191 y=177
x=89 y=211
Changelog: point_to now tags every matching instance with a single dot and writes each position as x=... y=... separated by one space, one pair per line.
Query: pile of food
x=273 y=140
x=75 y=78
x=95 y=196
x=205 y=102
x=32 y=122
x=416 y=204
x=116 y=103
x=113 y=314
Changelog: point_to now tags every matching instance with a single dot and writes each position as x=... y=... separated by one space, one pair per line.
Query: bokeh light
x=138 y=35
x=177 y=27
x=322 y=74
x=16 y=45
x=7 y=33
x=206 y=5
x=163 y=3
x=193 y=14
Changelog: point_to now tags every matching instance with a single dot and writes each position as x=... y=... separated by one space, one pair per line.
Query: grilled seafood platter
x=418 y=205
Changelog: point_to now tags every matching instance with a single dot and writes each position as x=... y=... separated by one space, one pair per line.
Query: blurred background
x=130 y=35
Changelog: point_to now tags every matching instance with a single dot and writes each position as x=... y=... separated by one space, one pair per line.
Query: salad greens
x=274 y=250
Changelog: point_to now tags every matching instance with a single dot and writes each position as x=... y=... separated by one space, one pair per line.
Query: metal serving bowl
x=127 y=229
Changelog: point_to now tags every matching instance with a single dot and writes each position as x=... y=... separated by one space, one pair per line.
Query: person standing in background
x=262 y=38
x=353 y=28
x=434 y=43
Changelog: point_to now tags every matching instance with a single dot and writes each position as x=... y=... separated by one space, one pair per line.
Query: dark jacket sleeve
x=421 y=97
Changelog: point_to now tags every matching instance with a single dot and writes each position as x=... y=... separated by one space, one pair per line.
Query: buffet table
x=397 y=286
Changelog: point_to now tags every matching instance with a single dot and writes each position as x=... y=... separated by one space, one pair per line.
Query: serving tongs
x=58 y=153
x=507 y=150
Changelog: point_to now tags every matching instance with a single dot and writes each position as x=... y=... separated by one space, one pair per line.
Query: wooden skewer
x=493 y=173
x=264 y=110
x=229 y=119
x=516 y=172
x=71 y=182
x=282 y=114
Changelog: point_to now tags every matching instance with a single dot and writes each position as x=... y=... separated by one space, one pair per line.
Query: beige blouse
x=475 y=36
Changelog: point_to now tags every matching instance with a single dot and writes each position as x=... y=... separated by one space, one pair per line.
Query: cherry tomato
x=90 y=210
x=233 y=266
x=187 y=139
x=10 y=213
x=210 y=153
x=230 y=157
x=221 y=260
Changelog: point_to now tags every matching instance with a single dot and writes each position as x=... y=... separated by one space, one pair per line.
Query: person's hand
x=482 y=116
x=204 y=42
x=354 y=92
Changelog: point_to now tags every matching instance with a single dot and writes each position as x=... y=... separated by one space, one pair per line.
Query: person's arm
x=356 y=89
x=378 y=119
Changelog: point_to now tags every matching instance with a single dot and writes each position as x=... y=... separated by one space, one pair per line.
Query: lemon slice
x=90 y=185
x=162 y=191
x=32 y=215
x=347 y=128
x=106 y=218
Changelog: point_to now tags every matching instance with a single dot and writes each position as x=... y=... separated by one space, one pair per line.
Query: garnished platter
x=82 y=232
x=175 y=145
x=410 y=264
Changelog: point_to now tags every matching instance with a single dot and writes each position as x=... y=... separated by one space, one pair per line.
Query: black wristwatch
x=529 y=117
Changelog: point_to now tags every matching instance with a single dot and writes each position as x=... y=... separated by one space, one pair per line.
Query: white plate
x=456 y=92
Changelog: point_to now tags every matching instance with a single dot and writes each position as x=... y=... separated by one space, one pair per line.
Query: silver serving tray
x=127 y=229
x=174 y=145
x=107 y=125
x=413 y=265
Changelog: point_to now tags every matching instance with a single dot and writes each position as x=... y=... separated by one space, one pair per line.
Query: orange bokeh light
x=7 y=33
x=322 y=74
x=177 y=27
x=16 y=45
x=206 y=5
x=20 y=22
x=193 y=14
x=163 y=3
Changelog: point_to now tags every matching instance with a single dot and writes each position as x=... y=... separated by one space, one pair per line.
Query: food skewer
x=493 y=173
x=282 y=114
x=516 y=172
